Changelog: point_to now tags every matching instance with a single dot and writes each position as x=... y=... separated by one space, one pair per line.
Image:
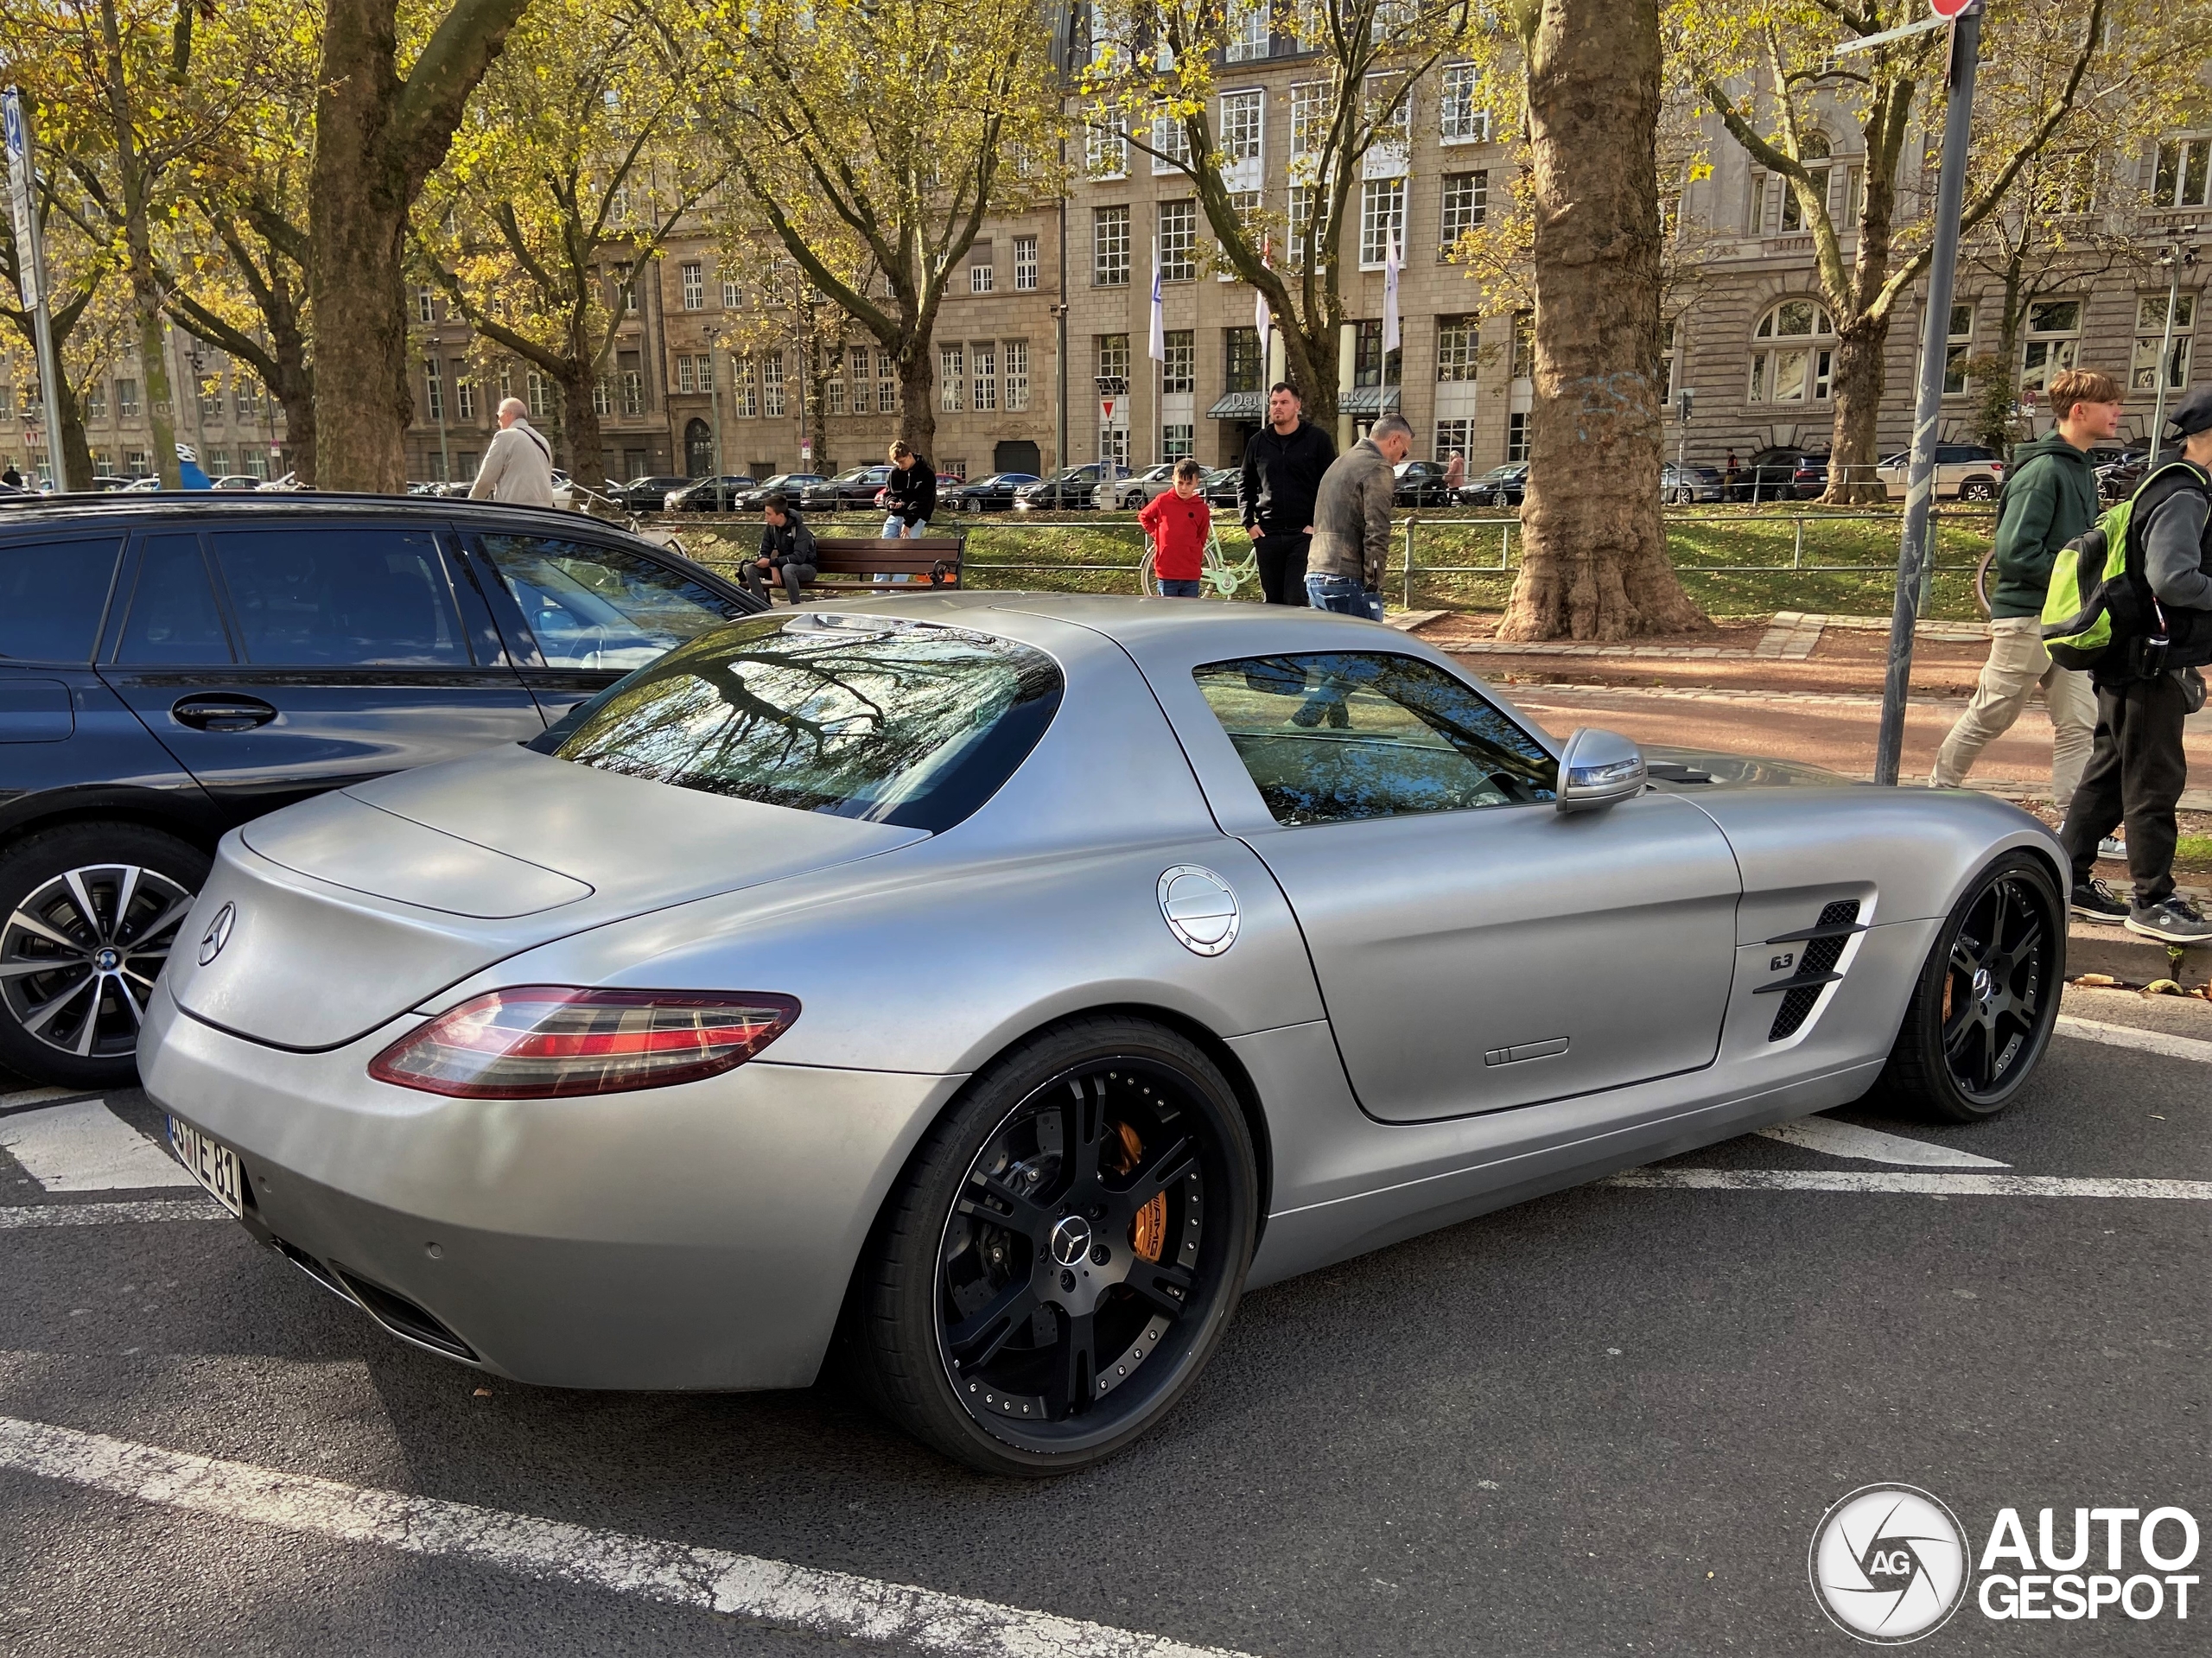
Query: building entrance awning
x=1239 y=405
x=1364 y=401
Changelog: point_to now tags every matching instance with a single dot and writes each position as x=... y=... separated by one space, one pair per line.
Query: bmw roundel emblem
x=218 y=933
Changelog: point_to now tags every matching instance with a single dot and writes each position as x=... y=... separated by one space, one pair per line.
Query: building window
x=602 y=397
x=771 y=386
x=1113 y=352
x=1453 y=436
x=1395 y=136
x=1793 y=353
x=1015 y=353
x=1178 y=439
x=2065 y=182
x=1107 y=153
x=1250 y=21
x=1370 y=364
x=634 y=384
x=1309 y=127
x=1024 y=263
x=426 y=306
x=2054 y=339
x=1110 y=247
x=2182 y=177
x=1460 y=118
x=1170 y=143
x=1303 y=199
x=1456 y=346
x=1517 y=437
x=1178 y=241
x=952 y=392
x=703 y=364
x=1815 y=155
x=983 y=275
x=745 y=395
x=694 y=286
x=1466 y=204
x=435 y=402
x=1956 y=349
x=1242 y=364
x=2150 y=335
x=137 y=463
x=684 y=382
x=1524 y=344
x=216 y=463
x=96 y=401
x=886 y=383
x=1179 y=372
x=984 y=376
x=126 y=397
x=733 y=295
x=833 y=381
x=1239 y=138
x=464 y=392
x=1382 y=220
x=539 y=394
x=1754 y=204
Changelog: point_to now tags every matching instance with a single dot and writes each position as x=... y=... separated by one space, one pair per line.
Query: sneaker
x=2112 y=847
x=2097 y=901
x=2174 y=920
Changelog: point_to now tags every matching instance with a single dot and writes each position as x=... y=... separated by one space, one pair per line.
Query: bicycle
x=1222 y=579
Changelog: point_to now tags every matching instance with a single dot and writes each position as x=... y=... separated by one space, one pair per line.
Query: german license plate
x=210 y=1162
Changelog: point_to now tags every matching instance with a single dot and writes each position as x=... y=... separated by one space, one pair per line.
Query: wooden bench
x=850 y=563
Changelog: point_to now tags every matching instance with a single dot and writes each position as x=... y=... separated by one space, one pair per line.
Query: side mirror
x=1597 y=769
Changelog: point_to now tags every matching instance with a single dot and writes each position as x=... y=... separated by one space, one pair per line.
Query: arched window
x=1793 y=353
x=698 y=449
x=1814 y=154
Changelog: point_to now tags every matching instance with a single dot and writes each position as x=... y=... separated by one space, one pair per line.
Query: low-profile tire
x=1985 y=1000
x=88 y=913
x=1064 y=1252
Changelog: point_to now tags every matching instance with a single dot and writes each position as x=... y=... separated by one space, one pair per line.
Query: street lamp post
x=714 y=414
x=2176 y=258
x=445 y=459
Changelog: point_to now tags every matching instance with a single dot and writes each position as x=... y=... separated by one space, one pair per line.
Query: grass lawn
x=1734 y=560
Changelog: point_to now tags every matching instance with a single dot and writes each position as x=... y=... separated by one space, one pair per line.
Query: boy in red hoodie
x=1178 y=523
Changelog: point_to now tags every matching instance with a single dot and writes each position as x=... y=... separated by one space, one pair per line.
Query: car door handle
x=224 y=711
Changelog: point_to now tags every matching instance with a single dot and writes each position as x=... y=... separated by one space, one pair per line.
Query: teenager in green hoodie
x=2049 y=498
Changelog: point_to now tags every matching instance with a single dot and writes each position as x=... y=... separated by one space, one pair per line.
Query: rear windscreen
x=885 y=721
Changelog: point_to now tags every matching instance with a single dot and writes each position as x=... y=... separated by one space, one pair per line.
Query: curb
x=2094 y=947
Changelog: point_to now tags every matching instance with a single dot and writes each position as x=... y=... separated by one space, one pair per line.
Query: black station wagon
x=171 y=666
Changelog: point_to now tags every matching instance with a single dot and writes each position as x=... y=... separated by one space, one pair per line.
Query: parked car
x=1071 y=489
x=2118 y=471
x=850 y=491
x=1128 y=494
x=1224 y=489
x=1964 y=471
x=647 y=494
x=105 y=482
x=1683 y=485
x=258 y=649
x=723 y=494
x=235 y=480
x=1782 y=473
x=991 y=494
x=1025 y=1059
x=1499 y=487
x=792 y=485
x=1420 y=483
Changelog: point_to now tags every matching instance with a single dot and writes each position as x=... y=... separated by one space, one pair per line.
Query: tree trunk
x=917 y=397
x=1311 y=364
x=1861 y=375
x=296 y=399
x=138 y=250
x=580 y=424
x=76 y=447
x=1596 y=564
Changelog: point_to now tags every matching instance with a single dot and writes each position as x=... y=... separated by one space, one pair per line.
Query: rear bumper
x=692 y=1237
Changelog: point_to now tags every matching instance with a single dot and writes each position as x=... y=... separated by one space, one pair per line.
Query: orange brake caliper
x=1148 y=1232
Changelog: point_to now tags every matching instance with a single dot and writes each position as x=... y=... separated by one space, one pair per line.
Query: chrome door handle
x=223 y=711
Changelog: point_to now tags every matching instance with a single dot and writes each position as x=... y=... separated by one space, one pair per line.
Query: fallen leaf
x=2096 y=982
x=2163 y=988
x=483 y=1392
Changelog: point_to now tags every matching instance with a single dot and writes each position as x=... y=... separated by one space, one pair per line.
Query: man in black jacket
x=1283 y=464
x=909 y=494
x=786 y=552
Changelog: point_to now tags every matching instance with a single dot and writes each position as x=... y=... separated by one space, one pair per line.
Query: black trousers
x=1282 y=567
x=2135 y=773
x=793 y=577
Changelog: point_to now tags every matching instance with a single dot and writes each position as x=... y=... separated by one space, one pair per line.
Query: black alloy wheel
x=1065 y=1252
x=88 y=916
x=1985 y=1003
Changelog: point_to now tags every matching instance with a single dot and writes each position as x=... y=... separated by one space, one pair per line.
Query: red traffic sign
x=1949 y=7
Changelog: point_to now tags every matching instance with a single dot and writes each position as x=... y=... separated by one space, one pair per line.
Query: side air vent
x=1824 y=945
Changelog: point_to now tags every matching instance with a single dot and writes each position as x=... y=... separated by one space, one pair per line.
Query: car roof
x=122 y=509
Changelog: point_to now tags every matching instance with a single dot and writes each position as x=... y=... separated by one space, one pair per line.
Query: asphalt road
x=1604 y=1422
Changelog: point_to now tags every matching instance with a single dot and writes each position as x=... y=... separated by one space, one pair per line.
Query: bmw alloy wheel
x=79 y=956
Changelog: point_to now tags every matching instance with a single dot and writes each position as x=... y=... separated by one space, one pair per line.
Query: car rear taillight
x=1995 y=465
x=546 y=1041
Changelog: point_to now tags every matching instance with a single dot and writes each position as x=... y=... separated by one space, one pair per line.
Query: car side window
x=1335 y=737
x=592 y=607
x=174 y=621
x=341 y=598
x=53 y=594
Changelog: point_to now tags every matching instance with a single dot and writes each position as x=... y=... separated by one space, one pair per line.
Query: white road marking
x=835 y=1603
x=1835 y=1139
x=2128 y=1036
x=85 y=1146
x=1931 y=1186
x=153 y=1209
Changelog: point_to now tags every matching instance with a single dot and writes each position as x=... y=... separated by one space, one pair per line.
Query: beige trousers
x=2018 y=665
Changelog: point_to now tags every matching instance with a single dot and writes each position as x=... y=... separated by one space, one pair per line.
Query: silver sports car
x=1002 y=984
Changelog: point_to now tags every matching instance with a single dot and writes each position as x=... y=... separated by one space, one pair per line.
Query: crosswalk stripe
x=1835 y=1139
x=2129 y=1036
x=152 y=1209
x=84 y=1147
x=1944 y=1185
x=838 y=1604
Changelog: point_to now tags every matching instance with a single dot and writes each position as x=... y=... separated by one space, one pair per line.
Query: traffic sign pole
x=30 y=267
x=1913 y=550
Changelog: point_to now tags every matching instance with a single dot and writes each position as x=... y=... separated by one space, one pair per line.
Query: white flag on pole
x=1158 y=349
x=1261 y=317
x=1390 y=297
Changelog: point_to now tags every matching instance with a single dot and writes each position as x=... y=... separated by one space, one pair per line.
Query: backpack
x=2096 y=595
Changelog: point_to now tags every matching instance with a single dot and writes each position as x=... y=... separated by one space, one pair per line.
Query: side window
x=53 y=594
x=341 y=598
x=1336 y=737
x=174 y=622
x=594 y=607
